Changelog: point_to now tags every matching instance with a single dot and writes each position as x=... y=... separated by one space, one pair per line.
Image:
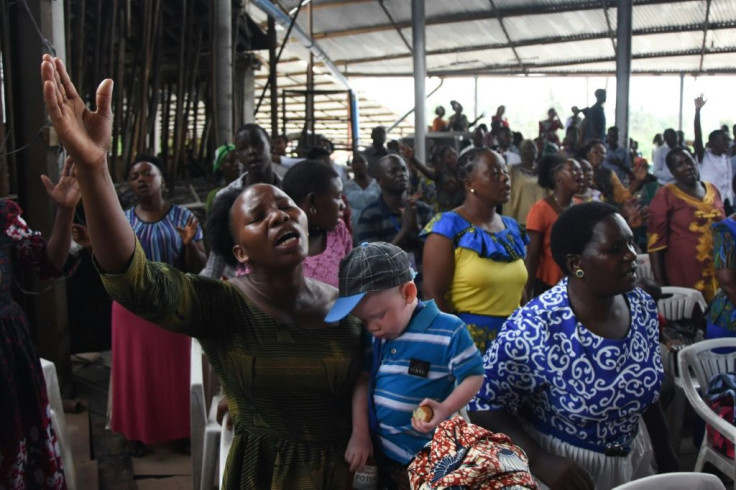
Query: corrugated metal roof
x=496 y=37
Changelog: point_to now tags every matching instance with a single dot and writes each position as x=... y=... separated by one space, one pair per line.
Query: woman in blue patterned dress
x=29 y=449
x=721 y=313
x=150 y=366
x=573 y=373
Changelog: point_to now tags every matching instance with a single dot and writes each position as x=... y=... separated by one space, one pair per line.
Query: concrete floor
x=161 y=468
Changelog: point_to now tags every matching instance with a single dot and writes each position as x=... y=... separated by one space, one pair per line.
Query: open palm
x=65 y=193
x=84 y=134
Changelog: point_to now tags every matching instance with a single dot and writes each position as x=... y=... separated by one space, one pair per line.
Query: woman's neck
x=563 y=197
x=477 y=212
x=280 y=288
x=317 y=241
x=152 y=203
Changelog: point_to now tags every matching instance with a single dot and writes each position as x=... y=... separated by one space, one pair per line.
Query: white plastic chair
x=698 y=364
x=205 y=431
x=644 y=267
x=675 y=481
x=226 y=440
x=58 y=421
x=680 y=302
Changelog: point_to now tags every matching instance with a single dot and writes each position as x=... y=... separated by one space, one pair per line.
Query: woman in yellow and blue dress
x=473 y=256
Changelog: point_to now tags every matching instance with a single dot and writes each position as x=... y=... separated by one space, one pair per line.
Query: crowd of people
x=500 y=277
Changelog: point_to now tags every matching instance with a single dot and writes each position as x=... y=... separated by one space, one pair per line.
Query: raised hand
x=188 y=231
x=65 y=193
x=85 y=134
x=700 y=101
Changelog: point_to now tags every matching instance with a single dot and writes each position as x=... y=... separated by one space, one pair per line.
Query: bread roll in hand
x=423 y=413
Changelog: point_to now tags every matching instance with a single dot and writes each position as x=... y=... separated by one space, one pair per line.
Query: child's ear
x=409 y=290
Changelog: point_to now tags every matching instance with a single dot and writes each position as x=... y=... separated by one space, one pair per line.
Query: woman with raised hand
x=29 y=448
x=474 y=257
x=574 y=375
x=289 y=377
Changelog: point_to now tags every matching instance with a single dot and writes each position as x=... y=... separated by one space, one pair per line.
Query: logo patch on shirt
x=419 y=368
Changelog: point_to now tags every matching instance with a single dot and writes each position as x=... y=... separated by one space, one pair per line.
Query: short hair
x=317 y=152
x=583 y=152
x=547 y=168
x=254 y=127
x=715 y=133
x=573 y=230
x=599 y=92
x=306 y=177
x=153 y=160
x=671 y=154
x=219 y=227
x=375 y=130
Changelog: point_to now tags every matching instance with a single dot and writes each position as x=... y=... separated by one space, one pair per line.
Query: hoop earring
x=579 y=273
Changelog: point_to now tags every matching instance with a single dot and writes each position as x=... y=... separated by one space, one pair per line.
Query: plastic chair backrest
x=680 y=303
x=644 y=267
x=706 y=363
x=675 y=481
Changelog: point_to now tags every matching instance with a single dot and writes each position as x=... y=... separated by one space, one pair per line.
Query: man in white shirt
x=659 y=167
x=715 y=166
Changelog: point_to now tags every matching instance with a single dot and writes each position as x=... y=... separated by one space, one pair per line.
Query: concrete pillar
x=623 y=69
x=420 y=74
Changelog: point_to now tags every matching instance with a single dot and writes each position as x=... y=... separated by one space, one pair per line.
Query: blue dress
x=566 y=381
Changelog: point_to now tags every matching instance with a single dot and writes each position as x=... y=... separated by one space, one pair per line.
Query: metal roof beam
x=548 y=40
x=486 y=15
x=506 y=34
x=511 y=68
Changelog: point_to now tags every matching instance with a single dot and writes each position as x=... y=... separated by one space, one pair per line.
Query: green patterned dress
x=289 y=388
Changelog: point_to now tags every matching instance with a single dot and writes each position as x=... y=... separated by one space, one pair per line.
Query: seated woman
x=589 y=193
x=565 y=179
x=473 y=257
x=317 y=189
x=573 y=373
x=721 y=315
x=288 y=376
x=680 y=238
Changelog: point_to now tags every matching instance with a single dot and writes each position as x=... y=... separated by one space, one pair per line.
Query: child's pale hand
x=358 y=451
x=439 y=414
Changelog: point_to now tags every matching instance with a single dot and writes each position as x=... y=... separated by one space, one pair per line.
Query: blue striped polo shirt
x=427 y=360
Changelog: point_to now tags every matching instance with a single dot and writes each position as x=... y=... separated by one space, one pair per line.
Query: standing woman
x=446 y=175
x=474 y=257
x=317 y=189
x=29 y=449
x=150 y=367
x=565 y=179
x=680 y=236
x=290 y=378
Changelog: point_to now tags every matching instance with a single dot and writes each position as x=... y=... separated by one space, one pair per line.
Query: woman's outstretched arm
x=86 y=136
